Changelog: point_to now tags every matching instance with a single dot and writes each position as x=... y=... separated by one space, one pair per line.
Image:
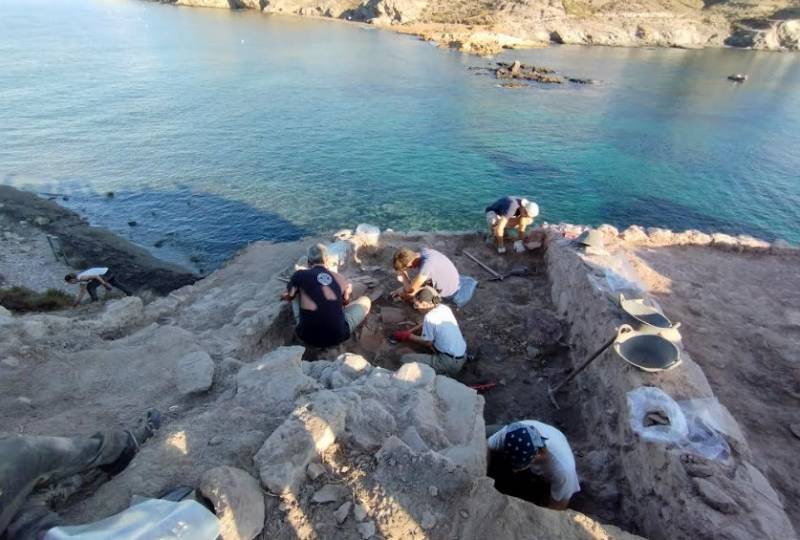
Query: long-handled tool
x=495 y=275
x=516 y=271
x=552 y=390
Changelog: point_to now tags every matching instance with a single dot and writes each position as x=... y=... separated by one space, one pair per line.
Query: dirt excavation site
x=290 y=442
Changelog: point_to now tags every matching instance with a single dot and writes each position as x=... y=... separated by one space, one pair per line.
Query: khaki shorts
x=356 y=311
x=441 y=363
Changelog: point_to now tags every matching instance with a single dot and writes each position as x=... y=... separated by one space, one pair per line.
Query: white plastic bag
x=368 y=234
x=695 y=425
x=152 y=519
x=466 y=288
x=337 y=254
x=648 y=399
x=707 y=423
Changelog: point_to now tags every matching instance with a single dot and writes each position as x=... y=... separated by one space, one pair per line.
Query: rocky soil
x=487 y=26
x=339 y=447
x=350 y=446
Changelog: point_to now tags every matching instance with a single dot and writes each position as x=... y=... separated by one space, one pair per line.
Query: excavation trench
x=516 y=345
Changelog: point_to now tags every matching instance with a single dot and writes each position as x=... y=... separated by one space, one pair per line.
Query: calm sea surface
x=216 y=128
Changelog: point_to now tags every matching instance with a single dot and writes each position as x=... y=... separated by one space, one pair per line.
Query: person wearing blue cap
x=526 y=453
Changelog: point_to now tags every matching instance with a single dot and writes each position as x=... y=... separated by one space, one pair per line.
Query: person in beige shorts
x=439 y=334
x=321 y=304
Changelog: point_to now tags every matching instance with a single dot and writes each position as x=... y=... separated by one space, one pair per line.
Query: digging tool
x=487 y=268
x=517 y=271
x=552 y=390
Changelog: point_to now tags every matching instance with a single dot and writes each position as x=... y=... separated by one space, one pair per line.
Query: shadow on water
x=196 y=229
x=658 y=212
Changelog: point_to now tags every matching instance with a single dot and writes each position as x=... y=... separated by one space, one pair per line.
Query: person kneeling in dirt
x=92 y=278
x=533 y=461
x=440 y=334
x=510 y=212
x=28 y=462
x=321 y=302
x=435 y=269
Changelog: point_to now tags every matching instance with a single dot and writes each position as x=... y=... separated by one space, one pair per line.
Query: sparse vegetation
x=24 y=300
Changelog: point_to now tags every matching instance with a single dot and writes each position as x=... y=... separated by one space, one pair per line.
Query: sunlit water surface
x=216 y=128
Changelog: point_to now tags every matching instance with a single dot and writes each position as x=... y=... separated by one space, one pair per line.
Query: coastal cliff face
x=488 y=26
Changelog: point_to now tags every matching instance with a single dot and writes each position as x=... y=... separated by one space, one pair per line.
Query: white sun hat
x=531 y=208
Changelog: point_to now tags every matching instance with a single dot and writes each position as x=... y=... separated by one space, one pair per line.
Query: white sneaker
x=501 y=250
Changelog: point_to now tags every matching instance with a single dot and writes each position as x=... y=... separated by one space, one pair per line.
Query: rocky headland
x=347 y=443
x=487 y=27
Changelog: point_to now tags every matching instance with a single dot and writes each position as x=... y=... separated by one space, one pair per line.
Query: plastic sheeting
x=153 y=519
x=696 y=425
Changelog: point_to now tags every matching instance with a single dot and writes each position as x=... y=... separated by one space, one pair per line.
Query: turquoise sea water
x=217 y=128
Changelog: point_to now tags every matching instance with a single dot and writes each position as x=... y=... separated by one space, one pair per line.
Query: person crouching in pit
x=440 y=335
x=533 y=460
x=321 y=303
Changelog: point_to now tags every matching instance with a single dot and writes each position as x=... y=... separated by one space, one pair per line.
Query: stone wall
x=666 y=493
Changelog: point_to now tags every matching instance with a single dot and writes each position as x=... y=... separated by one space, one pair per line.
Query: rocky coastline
x=28 y=219
x=485 y=29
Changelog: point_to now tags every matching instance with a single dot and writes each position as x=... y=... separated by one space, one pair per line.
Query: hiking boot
x=146 y=427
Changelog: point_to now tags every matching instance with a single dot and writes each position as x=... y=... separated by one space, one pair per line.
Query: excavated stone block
x=353 y=365
x=309 y=431
x=273 y=382
x=238 y=502
x=753 y=244
x=194 y=372
x=691 y=237
x=634 y=234
x=416 y=374
x=660 y=237
x=724 y=241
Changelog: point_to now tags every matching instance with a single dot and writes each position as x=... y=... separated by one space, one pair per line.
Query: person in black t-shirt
x=321 y=303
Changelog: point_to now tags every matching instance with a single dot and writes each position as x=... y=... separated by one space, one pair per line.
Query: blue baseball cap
x=522 y=443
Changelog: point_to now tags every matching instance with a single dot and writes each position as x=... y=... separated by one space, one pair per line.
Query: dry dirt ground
x=741 y=323
x=515 y=341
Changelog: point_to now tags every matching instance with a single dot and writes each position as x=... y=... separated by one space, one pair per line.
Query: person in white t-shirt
x=440 y=334
x=92 y=278
x=528 y=452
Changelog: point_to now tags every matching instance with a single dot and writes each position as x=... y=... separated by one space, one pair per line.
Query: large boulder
x=310 y=430
x=238 y=502
x=194 y=372
x=272 y=383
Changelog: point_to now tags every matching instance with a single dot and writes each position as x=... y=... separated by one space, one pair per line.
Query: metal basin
x=649 y=352
x=643 y=313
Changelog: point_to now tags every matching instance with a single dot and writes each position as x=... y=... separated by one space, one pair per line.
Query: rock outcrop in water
x=485 y=28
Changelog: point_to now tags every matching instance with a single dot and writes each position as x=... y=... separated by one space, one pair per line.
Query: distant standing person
x=434 y=268
x=510 y=212
x=321 y=302
x=528 y=454
x=440 y=334
x=92 y=278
